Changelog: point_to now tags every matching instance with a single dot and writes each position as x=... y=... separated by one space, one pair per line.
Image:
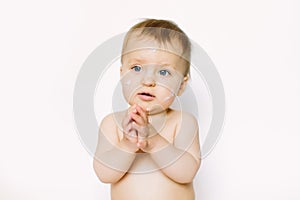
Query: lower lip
x=145 y=97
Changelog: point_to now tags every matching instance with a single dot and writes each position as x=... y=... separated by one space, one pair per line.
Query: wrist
x=155 y=143
x=167 y=155
x=127 y=146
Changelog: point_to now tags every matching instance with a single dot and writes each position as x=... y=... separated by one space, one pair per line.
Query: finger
x=142 y=113
x=132 y=109
x=137 y=118
x=140 y=141
x=142 y=144
x=141 y=130
x=131 y=136
x=127 y=128
x=126 y=120
x=131 y=127
x=144 y=131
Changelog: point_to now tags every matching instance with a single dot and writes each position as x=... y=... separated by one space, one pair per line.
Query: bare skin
x=149 y=151
x=141 y=177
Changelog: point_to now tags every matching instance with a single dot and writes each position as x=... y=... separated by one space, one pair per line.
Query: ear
x=183 y=85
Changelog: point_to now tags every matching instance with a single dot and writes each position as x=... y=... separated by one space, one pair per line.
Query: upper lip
x=146 y=93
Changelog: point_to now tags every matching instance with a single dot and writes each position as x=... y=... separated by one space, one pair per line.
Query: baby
x=150 y=151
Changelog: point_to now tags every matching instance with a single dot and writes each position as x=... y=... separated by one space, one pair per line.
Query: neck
x=159 y=112
x=157 y=119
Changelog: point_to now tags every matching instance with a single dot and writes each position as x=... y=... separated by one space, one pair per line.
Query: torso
x=150 y=186
x=144 y=181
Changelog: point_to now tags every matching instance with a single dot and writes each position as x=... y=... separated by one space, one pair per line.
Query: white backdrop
x=254 y=45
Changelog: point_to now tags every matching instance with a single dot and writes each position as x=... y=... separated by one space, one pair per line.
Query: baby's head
x=155 y=64
x=160 y=34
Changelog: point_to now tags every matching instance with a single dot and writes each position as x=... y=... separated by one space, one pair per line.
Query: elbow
x=187 y=179
x=107 y=180
x=103 y=174
x=183 y=180
x=190 y=175
x=103 y=179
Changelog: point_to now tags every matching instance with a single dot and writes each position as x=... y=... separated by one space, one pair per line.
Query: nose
x=149 y=81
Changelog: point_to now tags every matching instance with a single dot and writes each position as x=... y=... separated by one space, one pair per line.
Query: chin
x=157 y=109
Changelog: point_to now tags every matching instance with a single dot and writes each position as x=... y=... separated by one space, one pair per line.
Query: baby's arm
x=179 y=161
x=113 y=157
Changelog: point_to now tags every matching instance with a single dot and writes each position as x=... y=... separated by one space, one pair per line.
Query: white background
x=254 y=44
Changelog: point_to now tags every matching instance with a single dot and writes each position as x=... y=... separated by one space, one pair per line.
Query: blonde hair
x=164 y=32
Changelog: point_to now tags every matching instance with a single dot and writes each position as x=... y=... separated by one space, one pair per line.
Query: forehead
x=135 y=42
x=151 y=56
x=148 y=51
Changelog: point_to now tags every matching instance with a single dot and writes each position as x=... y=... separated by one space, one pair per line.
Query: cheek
x=165 y=95
x=169 y=87
x=130 y=84
x=167 y=101
x=170 y=83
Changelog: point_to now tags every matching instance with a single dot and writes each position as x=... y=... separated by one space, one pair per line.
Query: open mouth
x=146 y=94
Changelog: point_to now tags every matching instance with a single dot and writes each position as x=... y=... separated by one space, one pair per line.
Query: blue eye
x=164 y=72
x=137 y=68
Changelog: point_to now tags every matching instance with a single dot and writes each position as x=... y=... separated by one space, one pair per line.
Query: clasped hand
x=137 y=129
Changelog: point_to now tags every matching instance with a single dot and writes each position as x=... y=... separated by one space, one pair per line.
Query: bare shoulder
x=112 y=120
x=184 y=118
x=189 y=119
x=109 y=126
x=186 y=125
x=107 y=122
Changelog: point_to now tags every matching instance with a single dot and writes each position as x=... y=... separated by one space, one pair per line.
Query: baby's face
x=152 y=78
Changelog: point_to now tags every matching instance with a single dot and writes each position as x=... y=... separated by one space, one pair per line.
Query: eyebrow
x=136 y=60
